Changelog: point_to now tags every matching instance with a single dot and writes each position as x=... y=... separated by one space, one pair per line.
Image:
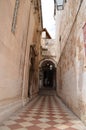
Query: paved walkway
x=44 y=113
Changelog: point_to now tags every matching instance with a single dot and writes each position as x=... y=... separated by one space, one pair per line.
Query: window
x=15 y=16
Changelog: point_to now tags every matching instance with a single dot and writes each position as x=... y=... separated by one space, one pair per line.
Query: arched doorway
x=47 y=75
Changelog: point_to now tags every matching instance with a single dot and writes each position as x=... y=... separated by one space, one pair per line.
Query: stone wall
x=71 y=70
x=14 y=53
x=64 y=22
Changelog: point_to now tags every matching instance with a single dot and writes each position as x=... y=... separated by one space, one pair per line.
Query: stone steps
x=47 y=92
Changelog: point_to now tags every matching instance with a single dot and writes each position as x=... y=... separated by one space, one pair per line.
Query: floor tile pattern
x=44 y=113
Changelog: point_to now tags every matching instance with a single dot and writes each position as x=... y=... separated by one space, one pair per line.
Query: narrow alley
x=43 y=113
x=42 y=64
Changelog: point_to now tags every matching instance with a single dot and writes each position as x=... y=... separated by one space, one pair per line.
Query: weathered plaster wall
x=71 y=83
x=14 y=54
x=64 y=22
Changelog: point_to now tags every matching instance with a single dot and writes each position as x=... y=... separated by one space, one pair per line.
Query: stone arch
x=47 y=59
x=47 y=73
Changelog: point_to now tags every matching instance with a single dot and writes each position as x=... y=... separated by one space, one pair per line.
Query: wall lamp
x=60 y=4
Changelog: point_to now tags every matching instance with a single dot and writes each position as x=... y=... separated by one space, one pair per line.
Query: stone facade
x=47 y=47
x=20 y=29
x=71 y=71
x=47 y=58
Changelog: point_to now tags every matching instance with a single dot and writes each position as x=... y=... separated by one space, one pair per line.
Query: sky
x=48 y=16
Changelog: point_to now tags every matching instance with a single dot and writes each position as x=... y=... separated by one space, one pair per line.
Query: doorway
x=47 y=75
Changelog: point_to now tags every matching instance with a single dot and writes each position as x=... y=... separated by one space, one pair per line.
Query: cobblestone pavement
x=44 y=113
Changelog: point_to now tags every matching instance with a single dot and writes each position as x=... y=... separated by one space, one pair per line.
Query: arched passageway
x=47 y=75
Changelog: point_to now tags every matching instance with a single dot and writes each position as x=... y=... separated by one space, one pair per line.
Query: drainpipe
x=60 y=63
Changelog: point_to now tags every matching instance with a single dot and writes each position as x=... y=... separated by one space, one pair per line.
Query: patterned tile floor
x=43 y=113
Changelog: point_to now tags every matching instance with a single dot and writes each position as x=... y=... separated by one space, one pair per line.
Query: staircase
x=47 y=91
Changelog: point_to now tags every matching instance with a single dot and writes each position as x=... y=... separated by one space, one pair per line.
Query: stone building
x=71 y=69
x=47 y=63
x=38 y=73
x=20 y=35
